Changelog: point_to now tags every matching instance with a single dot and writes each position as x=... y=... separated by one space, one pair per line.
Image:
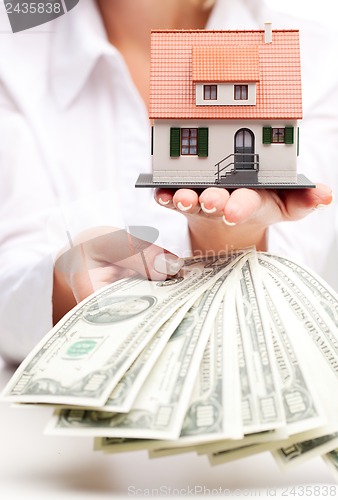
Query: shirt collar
x=78 y=42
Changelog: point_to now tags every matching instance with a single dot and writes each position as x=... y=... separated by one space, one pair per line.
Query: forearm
x=208 y=235
x=63 y=298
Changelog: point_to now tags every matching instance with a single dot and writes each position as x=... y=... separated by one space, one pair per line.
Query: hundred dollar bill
x=302 y=410
x=126 y=391
x=121 y=445
x=247 y=441
x=214 y=409
x=300 y=452
x=155 y=449
x=309 y=338
x=315 y=352
x=287 y=452
x=301 y=405
x=290 y=455
x=251 y=443
x=124 y=394
x=304 y=304
x=249 y=396
x=85 y=355
x=160 y=407
x=286 y=458
x=320 y=290
x=331 y=460
x=206 y=415
x=259 y=380
x=232 y=454
x=262 y=407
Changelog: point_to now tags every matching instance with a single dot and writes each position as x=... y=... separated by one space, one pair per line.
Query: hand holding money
x=104 y=255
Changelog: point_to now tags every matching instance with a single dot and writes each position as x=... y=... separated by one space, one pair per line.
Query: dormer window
x=241 y=92
x=210 y=92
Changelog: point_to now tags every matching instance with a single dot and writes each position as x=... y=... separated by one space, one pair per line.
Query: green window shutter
x=267 y=135
x=175 y=142
x=288 y=135
x=203 y=142
x=297 y=141
x=152 y=141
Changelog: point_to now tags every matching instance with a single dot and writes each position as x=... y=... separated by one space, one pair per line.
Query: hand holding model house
x=225 y=107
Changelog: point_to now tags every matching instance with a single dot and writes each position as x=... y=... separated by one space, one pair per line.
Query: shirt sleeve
x=26 y=263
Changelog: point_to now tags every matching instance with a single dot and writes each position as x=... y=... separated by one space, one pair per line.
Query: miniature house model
x=225 y=107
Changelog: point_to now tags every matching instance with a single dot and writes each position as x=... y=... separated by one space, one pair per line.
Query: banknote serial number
x=33 y=8
x=320 y=490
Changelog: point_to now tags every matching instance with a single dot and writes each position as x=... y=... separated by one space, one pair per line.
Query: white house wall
x=277 y=162
x=225 y=95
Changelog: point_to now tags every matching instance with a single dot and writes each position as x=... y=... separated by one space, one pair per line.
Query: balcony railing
x=237 y=161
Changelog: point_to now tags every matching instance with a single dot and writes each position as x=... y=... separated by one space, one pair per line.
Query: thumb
x=105 y=247
x=299 y=203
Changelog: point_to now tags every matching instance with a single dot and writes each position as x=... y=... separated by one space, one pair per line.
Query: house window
x=241 y=92
x=278 y=135
x=189 y=141
x=210 y=92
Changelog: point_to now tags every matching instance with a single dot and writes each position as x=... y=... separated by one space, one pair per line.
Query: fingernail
x=166 y=263
x=208 y=210
x=162 y=202
x=183 y=208
x=320 y=206
x=228 y=223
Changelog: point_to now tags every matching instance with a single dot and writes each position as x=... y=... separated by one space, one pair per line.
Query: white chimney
x=267 y=32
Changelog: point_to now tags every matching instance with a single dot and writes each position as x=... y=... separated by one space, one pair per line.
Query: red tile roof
x=181 y=58
x=225 y=64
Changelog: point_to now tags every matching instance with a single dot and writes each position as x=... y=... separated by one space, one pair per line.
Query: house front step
x=240 y=177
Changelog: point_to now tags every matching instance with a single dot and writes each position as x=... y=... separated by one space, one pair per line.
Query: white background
x=322 y=11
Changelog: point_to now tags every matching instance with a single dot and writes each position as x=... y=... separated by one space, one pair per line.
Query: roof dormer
x=225 y=75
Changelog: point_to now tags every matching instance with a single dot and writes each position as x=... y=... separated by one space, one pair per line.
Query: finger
x=213 y=201
x=120 y=248
x=164 y=197
x=242 y=205
x=85 y=283
x=150 y=260
x=270 y=206
x=298 y=204
x=186 y=201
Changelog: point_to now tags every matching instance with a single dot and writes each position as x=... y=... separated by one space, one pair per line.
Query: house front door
x=244 y=149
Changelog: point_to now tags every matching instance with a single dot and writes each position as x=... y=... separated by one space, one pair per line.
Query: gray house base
x=146 y=181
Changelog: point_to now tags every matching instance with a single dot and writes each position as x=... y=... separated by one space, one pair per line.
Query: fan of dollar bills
x=233 y=356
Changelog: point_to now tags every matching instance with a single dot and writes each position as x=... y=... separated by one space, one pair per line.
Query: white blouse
x=74 y=135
